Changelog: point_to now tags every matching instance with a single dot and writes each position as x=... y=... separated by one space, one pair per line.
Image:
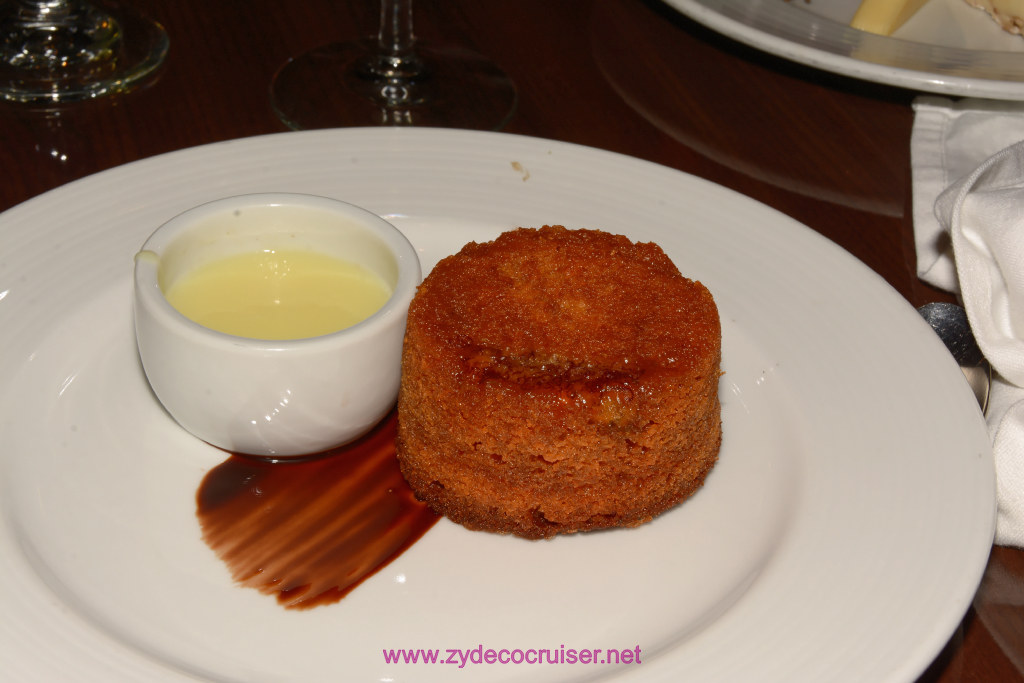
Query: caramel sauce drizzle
x=309 y=531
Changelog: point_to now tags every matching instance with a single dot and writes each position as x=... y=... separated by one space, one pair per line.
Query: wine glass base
x=60 y=64
x=330 y=87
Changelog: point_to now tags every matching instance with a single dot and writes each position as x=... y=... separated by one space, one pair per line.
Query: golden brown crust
x=556 y=381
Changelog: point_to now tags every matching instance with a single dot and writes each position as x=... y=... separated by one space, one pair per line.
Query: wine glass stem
x=396 y=42
x=41 y=13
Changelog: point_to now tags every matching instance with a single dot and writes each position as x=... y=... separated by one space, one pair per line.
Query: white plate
x=947 y=47
x=841 y=536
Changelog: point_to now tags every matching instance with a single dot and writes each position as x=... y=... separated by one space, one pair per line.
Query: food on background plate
x=886 y=16
x=556 y=381
x=1008 y=13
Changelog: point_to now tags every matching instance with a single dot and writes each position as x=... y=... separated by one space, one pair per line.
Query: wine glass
x=394 y=80
x=55 y=51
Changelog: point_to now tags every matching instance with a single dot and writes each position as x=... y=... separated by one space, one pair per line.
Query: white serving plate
x=841 y=537
x=948 y=47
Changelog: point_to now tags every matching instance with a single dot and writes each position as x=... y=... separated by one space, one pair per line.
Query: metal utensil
x=950 y=322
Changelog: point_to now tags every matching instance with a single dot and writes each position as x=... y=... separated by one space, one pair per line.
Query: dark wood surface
x=632 y=76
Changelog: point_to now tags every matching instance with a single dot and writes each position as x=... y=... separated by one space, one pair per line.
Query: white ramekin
x=273 y=398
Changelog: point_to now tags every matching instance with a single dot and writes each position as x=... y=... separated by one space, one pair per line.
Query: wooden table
x=632 y=76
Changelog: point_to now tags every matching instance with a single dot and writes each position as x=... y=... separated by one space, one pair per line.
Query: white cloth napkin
x=968 y=177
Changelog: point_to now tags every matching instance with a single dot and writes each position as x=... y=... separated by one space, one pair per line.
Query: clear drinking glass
x=393 y=79
x=54 y=51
